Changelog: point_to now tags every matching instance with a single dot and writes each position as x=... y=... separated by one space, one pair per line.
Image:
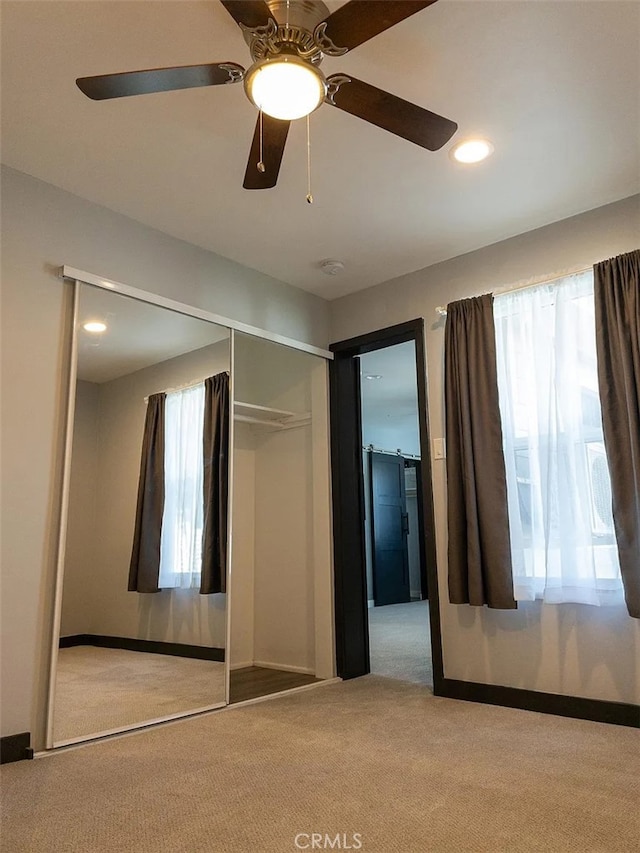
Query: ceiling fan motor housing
x=302 y=13
x=293 y=34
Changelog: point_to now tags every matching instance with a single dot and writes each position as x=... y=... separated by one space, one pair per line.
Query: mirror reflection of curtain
x=180 y=534
x=216 y=486
x=145 y=556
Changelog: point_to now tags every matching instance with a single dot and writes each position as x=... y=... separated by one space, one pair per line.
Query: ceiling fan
x=288 y=41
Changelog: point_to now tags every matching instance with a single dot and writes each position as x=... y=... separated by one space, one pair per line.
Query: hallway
x=400 y=646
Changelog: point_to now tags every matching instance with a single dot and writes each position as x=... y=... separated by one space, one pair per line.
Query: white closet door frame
x=72 y=355
x=51 y=745
x=72 y=274
x=230 y=452
x=78 y=277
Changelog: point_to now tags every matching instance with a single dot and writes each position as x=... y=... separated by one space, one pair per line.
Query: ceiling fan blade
x=389 y=112
x=159 y=80
x=360 y=20
x=249 y=13
x=274 y=136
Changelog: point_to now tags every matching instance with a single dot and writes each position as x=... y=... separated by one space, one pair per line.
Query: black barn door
x=389 y=530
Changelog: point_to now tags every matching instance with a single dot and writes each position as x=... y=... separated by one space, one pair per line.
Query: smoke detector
x=331 y=266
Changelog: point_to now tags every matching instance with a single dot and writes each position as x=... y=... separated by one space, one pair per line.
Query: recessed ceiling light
x=472 y=150
x=95 y=327
x=373 y=376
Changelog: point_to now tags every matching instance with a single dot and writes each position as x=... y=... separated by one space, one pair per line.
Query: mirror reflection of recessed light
x=373 y=376
x=472 y=150
x=95 y=327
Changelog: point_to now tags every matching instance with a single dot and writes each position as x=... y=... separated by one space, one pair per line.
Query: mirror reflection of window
x=182 y=525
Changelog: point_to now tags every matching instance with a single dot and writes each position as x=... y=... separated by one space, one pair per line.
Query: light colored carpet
x=399 y=642
x=102 y=689
x=375 y=756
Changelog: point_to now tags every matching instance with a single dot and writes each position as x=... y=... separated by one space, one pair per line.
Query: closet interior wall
x=281 y=615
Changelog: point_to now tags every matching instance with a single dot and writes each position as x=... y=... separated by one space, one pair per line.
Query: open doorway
x=383 y=508
x=397 y=588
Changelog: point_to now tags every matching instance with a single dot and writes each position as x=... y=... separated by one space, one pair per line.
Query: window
x=559 y=494
x=182 y=522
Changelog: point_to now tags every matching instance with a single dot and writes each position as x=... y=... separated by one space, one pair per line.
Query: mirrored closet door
x=281 y=592
x=142 y=622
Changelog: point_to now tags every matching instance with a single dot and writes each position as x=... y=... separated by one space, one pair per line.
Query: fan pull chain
x=309 y=196
x=260 y=164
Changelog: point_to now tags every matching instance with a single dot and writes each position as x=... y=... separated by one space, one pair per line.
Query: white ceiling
x=553 y=84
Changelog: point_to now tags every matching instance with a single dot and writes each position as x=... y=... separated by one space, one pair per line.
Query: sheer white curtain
x=559 y=493
x=181 y=540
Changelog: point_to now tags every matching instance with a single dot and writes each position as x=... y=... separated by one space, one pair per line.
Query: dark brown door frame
x=352 y=629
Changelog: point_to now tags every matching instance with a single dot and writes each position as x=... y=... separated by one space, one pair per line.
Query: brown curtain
x=617 y=304
x=479 y=545
x=145 y=555
x=216 y=485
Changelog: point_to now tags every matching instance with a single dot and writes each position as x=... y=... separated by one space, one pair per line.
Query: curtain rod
x=525 y=285
x=191 y=384
x=397 y=452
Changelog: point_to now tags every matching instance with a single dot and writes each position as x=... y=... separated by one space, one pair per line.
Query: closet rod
x=397 y=452
x=499 y=291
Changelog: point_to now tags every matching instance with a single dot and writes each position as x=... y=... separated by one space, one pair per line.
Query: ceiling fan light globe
x=285 y=88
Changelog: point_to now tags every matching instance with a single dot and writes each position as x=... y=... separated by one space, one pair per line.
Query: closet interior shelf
x=266 y=416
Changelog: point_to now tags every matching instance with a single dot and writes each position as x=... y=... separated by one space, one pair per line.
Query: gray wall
x=43 y=228
x=566 y=649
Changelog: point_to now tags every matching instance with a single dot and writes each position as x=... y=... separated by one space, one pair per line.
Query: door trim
x=352 y=630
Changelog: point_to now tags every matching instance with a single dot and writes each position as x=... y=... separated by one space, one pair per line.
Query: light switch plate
x=439 y=450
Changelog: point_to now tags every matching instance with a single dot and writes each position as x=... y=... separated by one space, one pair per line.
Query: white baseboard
x=242 y=665
x=270 y=665
x=371 y=603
